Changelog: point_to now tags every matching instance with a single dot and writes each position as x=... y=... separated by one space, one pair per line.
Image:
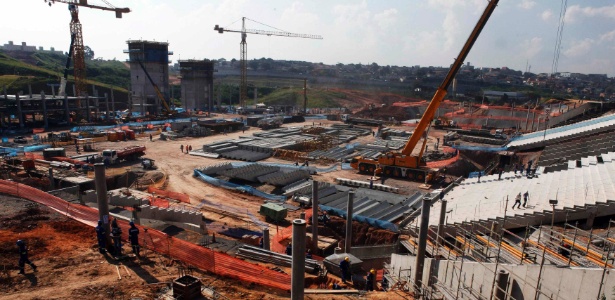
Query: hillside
x=19 y=69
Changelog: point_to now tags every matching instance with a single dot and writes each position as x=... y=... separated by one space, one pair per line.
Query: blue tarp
x=131 y=124
x=479 y=148
x=232 y=186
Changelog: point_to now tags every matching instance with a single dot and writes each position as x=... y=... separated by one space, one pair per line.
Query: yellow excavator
x=404 y=164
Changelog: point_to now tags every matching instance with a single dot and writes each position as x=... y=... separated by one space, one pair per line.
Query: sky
x=521 y=34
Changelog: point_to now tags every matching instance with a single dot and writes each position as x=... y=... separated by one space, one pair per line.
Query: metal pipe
x=266 y=244
x=439 y=240
x=315 y=217
x=101 y=193
x=348 y=245
x=52 y=183
x=502 y=283
x=298 y=266
x=420 y=255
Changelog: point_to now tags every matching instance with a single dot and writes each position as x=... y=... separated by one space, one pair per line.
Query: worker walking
x=100 y=236
x=116 y=235
x=189 y=147
x=526 y=196
x=370 y=280
x=133 y=236
x=517 y=201
x=345 y=268
x=181 y=147
x=23 y=257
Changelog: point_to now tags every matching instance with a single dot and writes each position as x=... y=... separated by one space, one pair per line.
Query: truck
x=131 y=153
x=348 y=119
x=403 y=163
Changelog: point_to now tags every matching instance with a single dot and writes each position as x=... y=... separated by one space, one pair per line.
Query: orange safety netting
x=443 y=163
x=159 y=202
x=173 y=195
x=33 y=155
x=284 y=234
x=160 y=242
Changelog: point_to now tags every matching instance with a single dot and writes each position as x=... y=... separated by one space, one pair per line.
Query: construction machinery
x=161 y=97
x=243 y=62
x=77 y=47
x=127 y=154
x=404 y=164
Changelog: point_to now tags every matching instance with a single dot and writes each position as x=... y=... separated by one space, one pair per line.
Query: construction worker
x=345 y=268
x=517 y=201
x=100 y=235
x=289 y=249
x=133 y=236
x=23 y=257
x=181 y=147
x=308 y=254
x=116 y=235
x=370 y=280
x=526 y=196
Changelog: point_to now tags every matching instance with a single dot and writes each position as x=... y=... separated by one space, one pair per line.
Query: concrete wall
x=196 y=84
x=170 y=215
x=368 y=252
x=556 y=283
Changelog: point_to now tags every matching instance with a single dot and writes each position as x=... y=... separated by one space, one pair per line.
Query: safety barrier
x=284 y=234
x=173 y=195
x=160 y=242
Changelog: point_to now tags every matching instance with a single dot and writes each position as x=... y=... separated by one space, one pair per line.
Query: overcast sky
x=402 y=33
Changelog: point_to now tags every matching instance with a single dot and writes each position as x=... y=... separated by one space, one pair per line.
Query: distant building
x=25 y=48
x=496 y=95
x=197 y=84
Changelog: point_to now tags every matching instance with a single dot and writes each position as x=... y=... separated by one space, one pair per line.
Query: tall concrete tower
x=154 y=56
x=197 y=84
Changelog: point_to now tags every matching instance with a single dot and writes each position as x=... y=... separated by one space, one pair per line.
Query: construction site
x=400 y=198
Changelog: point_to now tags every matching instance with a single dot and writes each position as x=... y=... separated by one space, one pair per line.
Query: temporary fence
x=158 y=241
x=284 y=234
x=232 y=186
x=173 y=195
x=159 y=202
x=443 y=163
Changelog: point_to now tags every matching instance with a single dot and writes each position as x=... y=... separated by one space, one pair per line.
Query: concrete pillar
x=52 y=184
x=66 y=111
x=113 y=103
x=75 y=93
x=87 y=107
x=19 y=111
x=30 y=91
x=45 y=119
x=106 y=107
x=96 y=104
x=420 y=255
x=337 y=250
x=441 y=222
x=101 y=193
x=266 y=243
x=314 y=217
x=302 y=215
x=348 y=245
x=298 y=265
x=53 y=91
x=501 y=284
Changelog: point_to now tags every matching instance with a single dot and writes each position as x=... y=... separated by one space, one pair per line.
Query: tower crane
x=243 y=62
x=403 y=163
x=77 y=48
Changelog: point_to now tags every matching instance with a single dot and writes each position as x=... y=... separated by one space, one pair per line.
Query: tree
x=88 y=53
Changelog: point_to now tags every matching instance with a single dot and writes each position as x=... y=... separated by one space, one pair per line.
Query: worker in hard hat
x=370 y=280
x=23 y=257
x=100 y=236
x=289 y=249
x=116 y=235
x=345 y=268
x=133 y=237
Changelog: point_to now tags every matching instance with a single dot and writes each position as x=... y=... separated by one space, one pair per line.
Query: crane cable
x=558 y=37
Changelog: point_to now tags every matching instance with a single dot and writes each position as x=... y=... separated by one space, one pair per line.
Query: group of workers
x=345 y=268
x=188 y=148
x=116 y=237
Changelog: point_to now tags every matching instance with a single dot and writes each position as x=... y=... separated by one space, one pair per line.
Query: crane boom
x=84 y=3
x=404 y=164
x=452 y=72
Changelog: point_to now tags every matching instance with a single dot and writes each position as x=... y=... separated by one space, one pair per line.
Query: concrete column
x=87 y=107
x=101 y=193
x=30 y=91
x=302 y=215
x=420 y=256
x=66 y=111
x=266 y=243
x=298 y=265
x=113 y=103
x=501 y=284
x=75 y=92
x=349 y=222
x=45 y=119
x=52 y=183
x=106 y=107
x=441 y=222
x=314 y=217
x=96 y=104
x=19 y=111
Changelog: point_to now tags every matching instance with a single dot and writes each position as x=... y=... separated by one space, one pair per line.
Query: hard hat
x=372 y=271
x=99 y=222
x=20 y=242
x=346 y=258
x=131 y=223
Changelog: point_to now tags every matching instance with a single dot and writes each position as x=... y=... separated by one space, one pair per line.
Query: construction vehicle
x=148 y=164
x=404 y=164
x=161 y=97
x=77 y=48
x=348 y=119
x=131 y=153
x=243 y=62
x=444 y=123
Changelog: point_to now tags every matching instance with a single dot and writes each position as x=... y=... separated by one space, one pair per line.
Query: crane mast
x=243 y=51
